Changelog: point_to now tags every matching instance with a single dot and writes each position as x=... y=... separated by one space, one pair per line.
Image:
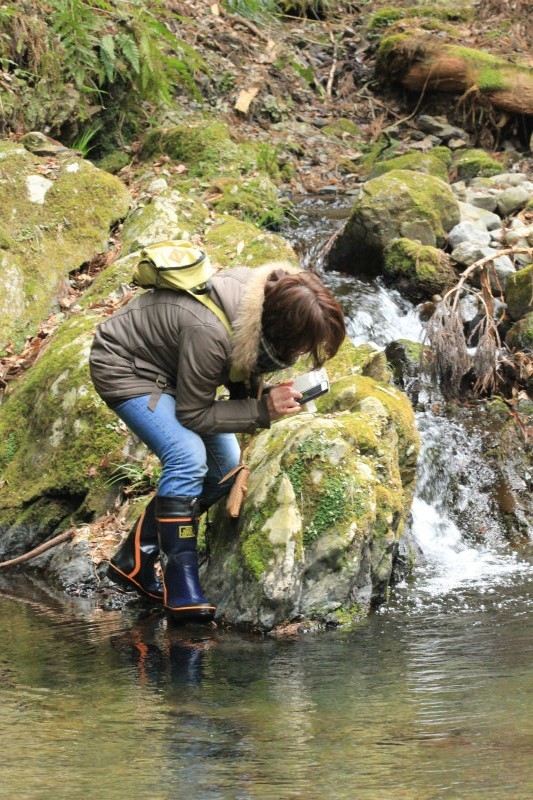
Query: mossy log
x=421 y=63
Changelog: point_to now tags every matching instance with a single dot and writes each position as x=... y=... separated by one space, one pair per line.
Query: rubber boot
x=133 y=564
x=177 y=525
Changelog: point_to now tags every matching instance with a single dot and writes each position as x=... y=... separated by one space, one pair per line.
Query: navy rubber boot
x=177 y=525
x=133 y=565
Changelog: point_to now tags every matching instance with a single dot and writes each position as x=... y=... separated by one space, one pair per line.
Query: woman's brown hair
x=301 y=316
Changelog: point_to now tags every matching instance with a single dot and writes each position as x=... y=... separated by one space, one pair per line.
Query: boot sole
x=191 y=613
x=118 y=577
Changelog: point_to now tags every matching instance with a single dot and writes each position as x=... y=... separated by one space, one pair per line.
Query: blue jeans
x=192 y=463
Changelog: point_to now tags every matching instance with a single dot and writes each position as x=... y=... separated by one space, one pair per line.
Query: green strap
x=212 y=306
x=236 y=374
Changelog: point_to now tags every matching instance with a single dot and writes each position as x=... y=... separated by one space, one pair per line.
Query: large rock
x=328 y=498
x=420 y=270
x=400 y=204
x=55 y=216
x=519 y=293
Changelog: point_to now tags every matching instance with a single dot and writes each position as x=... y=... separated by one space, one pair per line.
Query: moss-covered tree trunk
x=421 y=63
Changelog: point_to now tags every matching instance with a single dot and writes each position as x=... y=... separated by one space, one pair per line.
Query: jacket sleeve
x=204 y=353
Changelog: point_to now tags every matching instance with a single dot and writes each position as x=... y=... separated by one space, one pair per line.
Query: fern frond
x=108 y=56
x=129 y=50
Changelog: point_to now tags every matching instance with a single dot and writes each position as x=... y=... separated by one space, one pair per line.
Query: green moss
x=435 y=162
x=519 y=292
x=347 y=616
x=204 y=146
x=114 y=162
x=385 y=17
x=520 y=336
x=232 y=242
x=342 y=127
x=427 y=267
x=60 y=437
x=389 y=15
x=254 y=199
x=51 y=238
x=473 y=163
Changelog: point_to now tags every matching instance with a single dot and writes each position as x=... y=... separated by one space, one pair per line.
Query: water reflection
x=427 y=705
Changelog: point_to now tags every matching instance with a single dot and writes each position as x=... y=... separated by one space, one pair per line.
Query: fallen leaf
x=245 y=98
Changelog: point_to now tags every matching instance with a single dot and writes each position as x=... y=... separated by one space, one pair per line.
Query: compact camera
x=311 y=385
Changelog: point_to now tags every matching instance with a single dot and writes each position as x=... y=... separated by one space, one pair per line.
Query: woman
x=158 y=363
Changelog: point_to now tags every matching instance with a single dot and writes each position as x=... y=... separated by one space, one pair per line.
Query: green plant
x=137 y=477
x=82 y=142
x=258 y=10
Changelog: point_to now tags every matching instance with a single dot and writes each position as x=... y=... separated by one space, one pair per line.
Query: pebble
x=512 y=199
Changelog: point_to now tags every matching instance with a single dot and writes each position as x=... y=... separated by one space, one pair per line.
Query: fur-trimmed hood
x=247 y=323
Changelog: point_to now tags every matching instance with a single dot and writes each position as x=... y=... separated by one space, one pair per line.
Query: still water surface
x=430 y=698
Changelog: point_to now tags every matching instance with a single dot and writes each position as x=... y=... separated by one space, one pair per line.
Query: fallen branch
x=62 y=537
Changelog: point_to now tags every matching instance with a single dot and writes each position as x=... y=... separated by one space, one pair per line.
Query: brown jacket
x=170 y=340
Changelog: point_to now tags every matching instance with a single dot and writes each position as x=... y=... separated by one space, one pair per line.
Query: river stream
x=428 y=699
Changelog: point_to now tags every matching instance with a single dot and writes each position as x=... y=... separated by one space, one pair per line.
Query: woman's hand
x=282 y=400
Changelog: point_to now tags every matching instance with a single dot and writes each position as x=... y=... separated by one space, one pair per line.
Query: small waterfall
x=453 y=521
x=454 y=526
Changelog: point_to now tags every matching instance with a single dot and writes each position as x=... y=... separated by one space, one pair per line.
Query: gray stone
x=487 y=219
x=513 y=199
x=497 y=235
x=506 y=179
x=439 y=126
x=468 y=308
x=468 y=232
x=486 y=201
x=459 y=190
x=468 y=252
x=457 y=144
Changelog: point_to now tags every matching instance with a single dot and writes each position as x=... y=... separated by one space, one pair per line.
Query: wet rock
x=485 y=200
x=467 y=253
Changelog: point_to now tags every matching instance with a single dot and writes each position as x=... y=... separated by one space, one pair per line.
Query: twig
x=62 y=537
x=329 y=85
x=234 y=20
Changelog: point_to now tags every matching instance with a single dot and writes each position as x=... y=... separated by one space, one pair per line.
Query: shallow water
x=429 y=698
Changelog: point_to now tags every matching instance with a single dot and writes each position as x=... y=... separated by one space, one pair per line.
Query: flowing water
x=428 y=699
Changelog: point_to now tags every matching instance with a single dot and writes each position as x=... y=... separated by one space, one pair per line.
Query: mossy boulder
x=399 y=204
x=233 y=242
x=169 y=215
x=520 y=335
x=421 y=270
x=55 y=217
x=203 y=146
x=327 y=501
x=252 y=198
x=475 y=163
x=519 y=292
x=58 y=439
x=435 y=162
